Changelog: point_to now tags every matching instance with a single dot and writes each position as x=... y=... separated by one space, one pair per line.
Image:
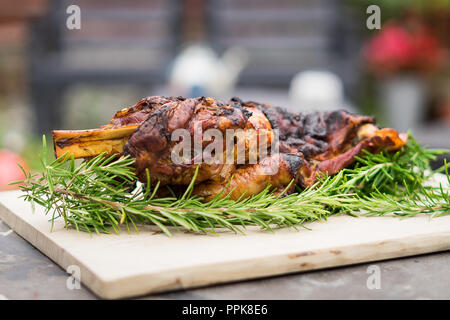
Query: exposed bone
x=89 y=143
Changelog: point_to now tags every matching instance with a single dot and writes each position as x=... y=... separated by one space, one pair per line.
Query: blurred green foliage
x=394 y=8
x=32 y=152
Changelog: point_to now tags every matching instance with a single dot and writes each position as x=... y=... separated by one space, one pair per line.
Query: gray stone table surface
x=25 y=273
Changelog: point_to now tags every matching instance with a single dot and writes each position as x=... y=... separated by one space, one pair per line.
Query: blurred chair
x=284 y=37
x=130 y=42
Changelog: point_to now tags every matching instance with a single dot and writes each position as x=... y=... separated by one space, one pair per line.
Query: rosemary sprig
x=96 y=195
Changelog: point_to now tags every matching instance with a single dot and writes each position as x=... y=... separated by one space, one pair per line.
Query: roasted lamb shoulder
x=308 y=144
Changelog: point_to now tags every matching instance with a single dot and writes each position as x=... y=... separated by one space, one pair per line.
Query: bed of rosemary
x=95 y=195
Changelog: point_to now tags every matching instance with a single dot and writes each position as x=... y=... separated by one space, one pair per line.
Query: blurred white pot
x=403 y=99
x=197 y=70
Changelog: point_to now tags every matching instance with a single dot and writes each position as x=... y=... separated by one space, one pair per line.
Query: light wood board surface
x=125 y=265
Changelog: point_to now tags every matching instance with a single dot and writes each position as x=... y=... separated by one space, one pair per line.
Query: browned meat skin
x=313 y=143
x=252 y=179
x=151 y=143
x=140 y=111
x=249 y=180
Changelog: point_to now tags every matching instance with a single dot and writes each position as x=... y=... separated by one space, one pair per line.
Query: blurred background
x=300 y=54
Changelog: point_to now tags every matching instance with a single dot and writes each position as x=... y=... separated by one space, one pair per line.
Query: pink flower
x=396 y=48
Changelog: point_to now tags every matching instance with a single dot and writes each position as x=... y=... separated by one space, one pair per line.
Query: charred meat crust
x=140 y=111
x=315 y=133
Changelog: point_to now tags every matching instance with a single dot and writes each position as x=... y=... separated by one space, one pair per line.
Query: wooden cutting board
x=116 y=266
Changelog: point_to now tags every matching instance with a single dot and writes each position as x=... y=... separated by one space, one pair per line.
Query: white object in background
x=199 y=71
x=403 y=101
x=316 y=91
